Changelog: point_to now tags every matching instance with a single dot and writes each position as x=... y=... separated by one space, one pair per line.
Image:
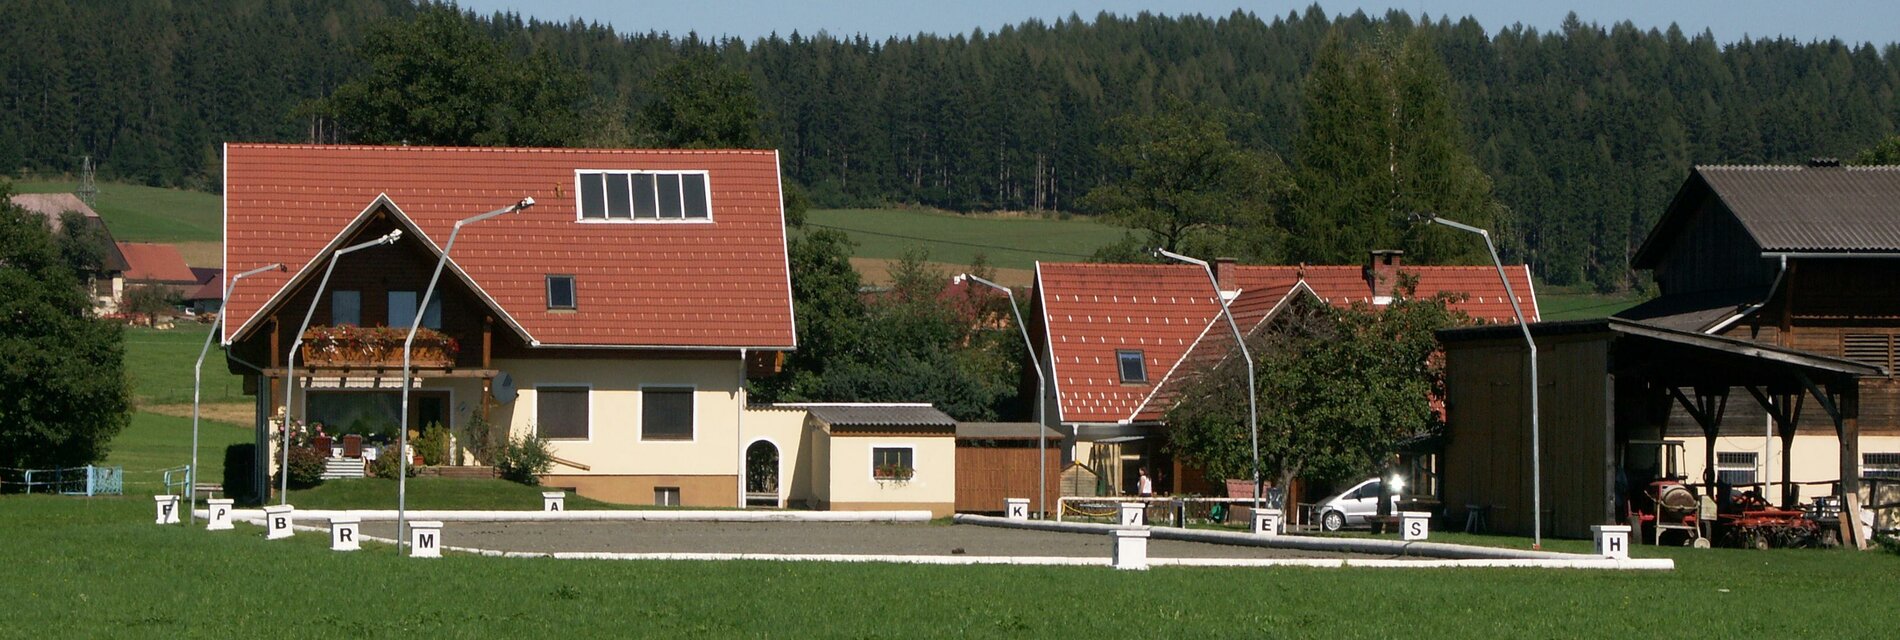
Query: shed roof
x=1787 y=208
x=1741 y=349
x=710 y=285
x=879 y=415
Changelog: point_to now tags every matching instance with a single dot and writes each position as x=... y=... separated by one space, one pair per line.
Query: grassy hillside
x=160 y=365
x=1575 y=303
x=1009 y=241
x=148 y=214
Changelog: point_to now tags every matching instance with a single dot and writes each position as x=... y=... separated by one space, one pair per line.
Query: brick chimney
x=1383 y=274
x=1224 y=274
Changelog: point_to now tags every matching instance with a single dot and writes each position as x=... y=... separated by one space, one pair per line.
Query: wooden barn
x=997 y=460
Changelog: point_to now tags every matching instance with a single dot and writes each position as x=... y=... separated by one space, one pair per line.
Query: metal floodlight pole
x=422 y=309
x=1537 y=473
x=290 y=361
x=197 y=383
x=1253 y=411
x=1042 y=429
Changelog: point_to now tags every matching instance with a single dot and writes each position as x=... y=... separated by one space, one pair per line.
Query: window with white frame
x=1735 y=467
x=644 y=196
x=893 y=463
x=1880 y=465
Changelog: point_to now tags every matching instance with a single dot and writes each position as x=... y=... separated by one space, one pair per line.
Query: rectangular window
x=1735 y=467
x=666 y=496
x=561 y=413
x=1880 y=465
x=432 y=318
x=561 y=292
x=593 y=196
x=893 y=463
x=666 y=413
x=1871 y=348
x=1133 y=368
x=346 y=307
x=402 y=308
x=654 y=196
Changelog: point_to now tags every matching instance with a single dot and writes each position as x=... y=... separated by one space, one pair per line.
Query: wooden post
x=488 y=340
x=1848 y=426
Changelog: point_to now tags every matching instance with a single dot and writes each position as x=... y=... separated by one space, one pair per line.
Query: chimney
x=1224 y=274
x=1383 y=273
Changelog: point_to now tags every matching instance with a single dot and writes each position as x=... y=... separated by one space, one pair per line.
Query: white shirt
x=1145 y=486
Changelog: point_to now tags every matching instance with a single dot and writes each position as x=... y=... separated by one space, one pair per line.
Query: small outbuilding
x=881 y=456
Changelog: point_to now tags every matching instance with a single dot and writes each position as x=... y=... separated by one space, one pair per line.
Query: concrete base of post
x=279 y=521
x=218 y=514
x=166 y=509
x=1016 y=508
x=1134 y=514
x=554 y=501
x=1131 y=549
x=346 y=533
x=1266 y=522
x=1414 y=525
x=425 y=539
x=1612 y=540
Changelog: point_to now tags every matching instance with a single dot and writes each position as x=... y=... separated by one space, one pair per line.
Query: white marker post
x=425 y=539
x=1266 y=522
x=344 y=533
x=1134 y=514
x=1016 y=508
x=1613 y=540
x=1414 y=525
x=220 y=511
x=278 y=520
x=554 y=501
x=167 y=507
x=1131 y=549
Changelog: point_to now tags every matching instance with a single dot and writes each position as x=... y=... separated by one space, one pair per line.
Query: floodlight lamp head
x=392 y=237
x=959 y=278
x=525 y=203
x=1421 y=217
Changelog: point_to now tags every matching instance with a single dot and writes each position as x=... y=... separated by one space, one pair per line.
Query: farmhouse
x=615 y=317
x=1117 y=338
x=1769 y=356
x=108 y=285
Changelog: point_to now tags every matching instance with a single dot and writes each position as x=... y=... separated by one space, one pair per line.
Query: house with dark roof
x=1800 y=257
x=614 y=318
x=1119 y=341
x=108 y=285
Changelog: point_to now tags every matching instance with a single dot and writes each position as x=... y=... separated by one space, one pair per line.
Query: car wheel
x=1332 y=521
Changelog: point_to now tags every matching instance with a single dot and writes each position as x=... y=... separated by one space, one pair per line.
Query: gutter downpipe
x=738 y=429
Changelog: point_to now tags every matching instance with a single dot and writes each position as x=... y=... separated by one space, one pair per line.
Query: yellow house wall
x=819 y=445
x=1817 y=458
x=784 y=428
x=934 y=485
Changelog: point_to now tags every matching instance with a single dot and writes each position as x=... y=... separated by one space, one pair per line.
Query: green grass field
x=160 y=362
x=1572 y=303
x=99 y=567
x=148 y=214
x=1014 y=242
x=153 y=442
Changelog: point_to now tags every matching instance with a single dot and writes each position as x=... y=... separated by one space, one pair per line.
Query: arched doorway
x=761 y=474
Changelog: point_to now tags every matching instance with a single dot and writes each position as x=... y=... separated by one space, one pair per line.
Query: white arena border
x=1432 y=554
x=632 y=515
x=1549 y=561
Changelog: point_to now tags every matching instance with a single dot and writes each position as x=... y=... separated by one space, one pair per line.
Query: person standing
x=1144 y=486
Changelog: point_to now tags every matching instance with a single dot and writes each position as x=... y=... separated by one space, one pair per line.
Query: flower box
x=350 y=346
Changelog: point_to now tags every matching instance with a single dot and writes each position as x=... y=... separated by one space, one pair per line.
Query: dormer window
x=561 y=292
x=644 y=196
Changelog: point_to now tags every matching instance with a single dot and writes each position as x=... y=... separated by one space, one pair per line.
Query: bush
x=387 y=460
x=524 y=459
x=240 y=469
x=1889 y=542
x=433 y=445
x=306 y=468
x=478 y=436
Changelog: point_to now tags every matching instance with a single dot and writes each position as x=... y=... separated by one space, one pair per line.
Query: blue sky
x=1852 y=21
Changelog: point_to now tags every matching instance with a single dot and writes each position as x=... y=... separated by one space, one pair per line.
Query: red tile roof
x=1092 y=311
x=719 y=284
x=152 y=262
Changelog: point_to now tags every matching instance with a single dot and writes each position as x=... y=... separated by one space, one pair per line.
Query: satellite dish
x=503 y=388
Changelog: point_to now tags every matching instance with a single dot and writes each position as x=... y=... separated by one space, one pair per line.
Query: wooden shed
x=1605 y=383
x=997 y=460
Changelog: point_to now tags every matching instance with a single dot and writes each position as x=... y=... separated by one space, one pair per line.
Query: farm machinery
x=1659 y=505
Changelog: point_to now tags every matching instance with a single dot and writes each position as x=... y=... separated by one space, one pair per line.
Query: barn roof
x=1787 y=208
x=879 y=415
x=1092 y=311
x=153 y=262
x=717 y=284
